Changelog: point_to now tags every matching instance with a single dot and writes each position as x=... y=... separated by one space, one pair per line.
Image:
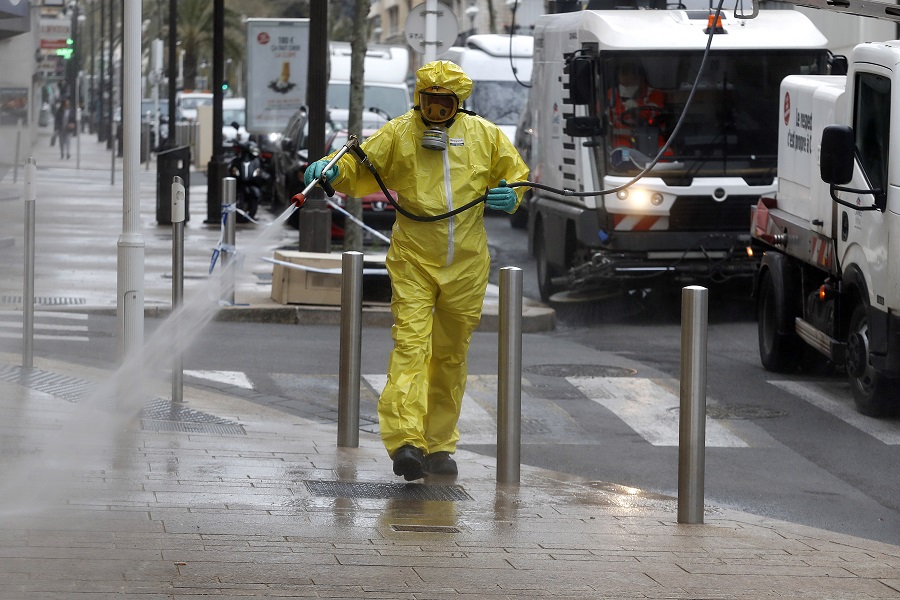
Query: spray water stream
x=57 y=442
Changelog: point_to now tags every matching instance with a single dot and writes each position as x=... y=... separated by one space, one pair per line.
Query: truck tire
x=875 y=394
x=545 y=271
x=778 y=352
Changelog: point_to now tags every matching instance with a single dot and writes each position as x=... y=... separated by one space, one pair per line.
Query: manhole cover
x=386 y=491
x=738 y=412
x=580 y=371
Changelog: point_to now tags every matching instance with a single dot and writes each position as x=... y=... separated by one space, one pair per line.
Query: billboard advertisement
x=277 y=62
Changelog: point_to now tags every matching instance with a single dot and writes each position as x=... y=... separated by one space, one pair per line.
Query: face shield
x=438 y=104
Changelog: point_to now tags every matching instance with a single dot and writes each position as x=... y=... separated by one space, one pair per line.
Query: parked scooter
x=249 y=173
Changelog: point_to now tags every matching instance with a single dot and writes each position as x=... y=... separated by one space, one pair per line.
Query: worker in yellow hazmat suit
x=436 y=157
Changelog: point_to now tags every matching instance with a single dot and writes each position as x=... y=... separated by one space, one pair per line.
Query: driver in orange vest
x=634 y=103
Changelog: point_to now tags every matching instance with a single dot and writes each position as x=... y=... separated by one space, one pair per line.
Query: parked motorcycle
x=249 y=173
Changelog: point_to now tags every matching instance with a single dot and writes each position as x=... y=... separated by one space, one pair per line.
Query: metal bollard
x=229 y=197
x=692 y=414
x=509 y=377
x=28 y=287
x=178 y=282
x=351 y=349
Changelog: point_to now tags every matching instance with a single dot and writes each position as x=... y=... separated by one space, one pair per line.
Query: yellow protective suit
x=438 y=270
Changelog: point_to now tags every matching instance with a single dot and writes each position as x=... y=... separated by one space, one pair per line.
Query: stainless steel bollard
x=229 y=197
x=692 y=414
x=351 y=349
x=178 y=211
x=28 y=284
x=509 y=377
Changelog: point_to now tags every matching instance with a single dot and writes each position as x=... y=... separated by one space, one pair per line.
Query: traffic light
x=67 y=52
x=225 y=86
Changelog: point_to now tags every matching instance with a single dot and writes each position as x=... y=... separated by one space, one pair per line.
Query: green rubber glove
x=502 y=198
x=314 y=171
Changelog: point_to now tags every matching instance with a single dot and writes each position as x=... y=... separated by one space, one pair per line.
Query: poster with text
x=277 y=62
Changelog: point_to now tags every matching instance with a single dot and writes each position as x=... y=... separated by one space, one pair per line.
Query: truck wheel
x=874 y=393
x=545 y=271
x=778 y=352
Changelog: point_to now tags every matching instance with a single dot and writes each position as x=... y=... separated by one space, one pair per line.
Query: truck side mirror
x=836 y=161
x=837 y=64
x=581 y=80
x=837 y=154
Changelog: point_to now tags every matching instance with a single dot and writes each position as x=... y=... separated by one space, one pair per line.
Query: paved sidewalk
x=118 y=496
x=108 y=490
x=79 y=220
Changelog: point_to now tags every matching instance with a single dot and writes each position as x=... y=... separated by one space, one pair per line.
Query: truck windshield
x=731 y=127
x=393 y=100
x=500 y=102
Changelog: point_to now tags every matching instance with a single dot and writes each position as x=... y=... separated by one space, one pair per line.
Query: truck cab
x=829 y=276
x=686 y=219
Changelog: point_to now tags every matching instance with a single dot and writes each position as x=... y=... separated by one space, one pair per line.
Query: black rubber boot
x=409 y=462
x=440 y=463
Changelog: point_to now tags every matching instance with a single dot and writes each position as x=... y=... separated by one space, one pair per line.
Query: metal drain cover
x=45 y=300
x=425 y=528
x=166 y=416
x=580 y=371
x=188 y=427
x=64 y=387
x=386 y=491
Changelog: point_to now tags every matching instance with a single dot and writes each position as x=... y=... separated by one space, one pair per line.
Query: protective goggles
x=438 y=105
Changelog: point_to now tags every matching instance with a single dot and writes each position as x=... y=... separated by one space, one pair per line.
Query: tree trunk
x=353 y=239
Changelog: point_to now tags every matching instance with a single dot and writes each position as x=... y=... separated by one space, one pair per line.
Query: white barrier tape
x=248 y=217
x=291 y=265
x=221 y=245
x=340 y=209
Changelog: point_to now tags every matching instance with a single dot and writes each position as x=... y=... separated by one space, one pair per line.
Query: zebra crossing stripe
x=839 y=403
x=650 y=409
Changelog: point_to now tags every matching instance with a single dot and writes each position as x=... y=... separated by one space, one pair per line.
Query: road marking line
x=45 y=326
x=47 y=313
x=39 y=336
x=235 y=378
x=646 y=407
x=840 y=404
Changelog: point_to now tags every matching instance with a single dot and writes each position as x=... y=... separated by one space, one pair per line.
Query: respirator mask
x=438 y=106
